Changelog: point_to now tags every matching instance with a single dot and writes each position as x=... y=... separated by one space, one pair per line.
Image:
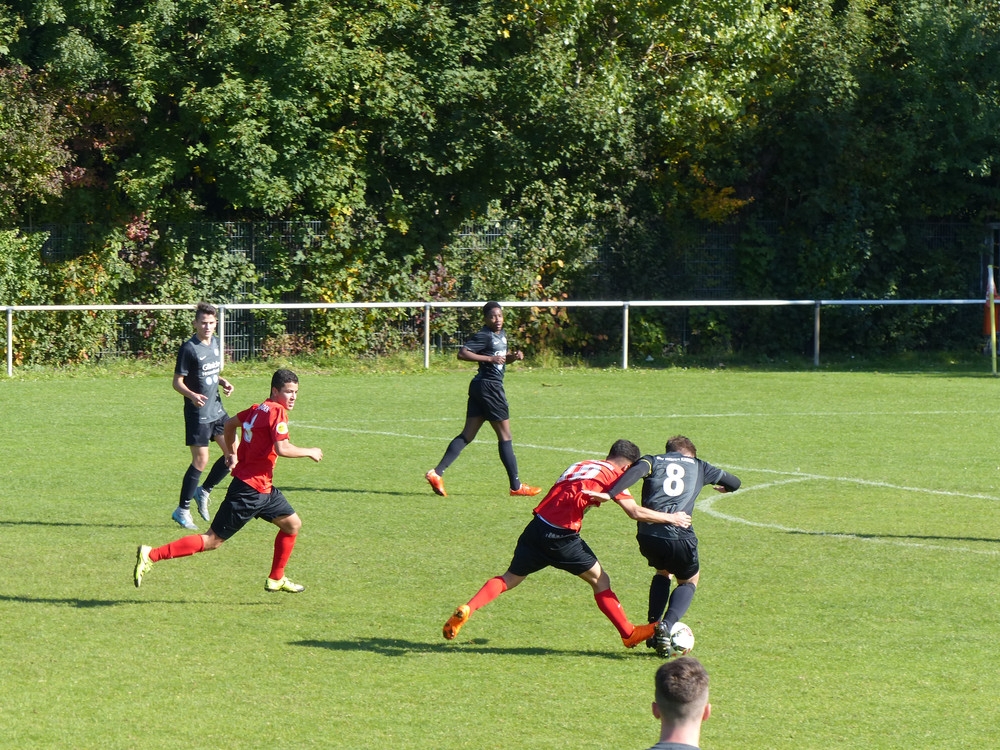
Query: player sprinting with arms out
x=671 y=483
x=553 y=538
x=197 y=379
x=251 y=494
x=487 y=401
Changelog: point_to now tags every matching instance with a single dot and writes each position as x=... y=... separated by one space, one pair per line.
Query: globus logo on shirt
x=282 y=428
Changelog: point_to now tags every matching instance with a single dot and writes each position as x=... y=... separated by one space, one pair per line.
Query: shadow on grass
x=399 y=647
x=76 y=524
x=94 y=603
x=349 y=491
x=924 y=537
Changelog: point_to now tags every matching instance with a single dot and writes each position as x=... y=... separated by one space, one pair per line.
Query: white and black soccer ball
x=681 y=639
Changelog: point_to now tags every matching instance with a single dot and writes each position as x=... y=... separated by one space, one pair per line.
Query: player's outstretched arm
x=287 y=450
x=638 y=513
x=230 y=433
x=728 y=483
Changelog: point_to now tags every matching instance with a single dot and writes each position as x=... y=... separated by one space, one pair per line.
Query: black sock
x=215 y=475
x=189 y=485
x=680 y=600
x=451 y=453
x=659 y=595
x=509 y=462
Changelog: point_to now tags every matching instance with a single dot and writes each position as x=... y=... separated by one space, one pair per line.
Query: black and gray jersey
x=200 y=364
x=672 y=483
x=489 y=343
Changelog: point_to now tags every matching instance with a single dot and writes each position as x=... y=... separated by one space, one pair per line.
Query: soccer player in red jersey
x=251 y=494
x=553 y=538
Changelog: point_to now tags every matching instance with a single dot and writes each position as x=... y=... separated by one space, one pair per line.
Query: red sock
x=490 y=591
x=283 y=545
x=608 y=603
x=187 y=545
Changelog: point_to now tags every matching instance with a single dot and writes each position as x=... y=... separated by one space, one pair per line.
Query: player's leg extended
x=455 y=447
x=505 y=445
x=284 y=543
x=680 y=600
x=659 y=595
x=183 y=547
x=199 y=460
x=608 y=603
x=489 y=591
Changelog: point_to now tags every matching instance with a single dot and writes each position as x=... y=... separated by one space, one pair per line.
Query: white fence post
x=10 y=342
x=625 y=336
x=427 y=335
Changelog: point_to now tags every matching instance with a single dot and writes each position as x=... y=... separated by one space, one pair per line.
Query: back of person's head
x=682 y=690
x=203 y=308
x=625 y=449
x=281 y=377
x=681 y=444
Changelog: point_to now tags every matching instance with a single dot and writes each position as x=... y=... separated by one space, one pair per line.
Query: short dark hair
x=625 y=449
x=681 y=689
x=681 y=444
x=281 y=377
x=489 y=306
x=203 y=308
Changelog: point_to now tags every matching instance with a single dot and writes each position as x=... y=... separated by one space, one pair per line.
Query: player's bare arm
x=514 y=357
x=285 y=449
x=638 y=513
x=226 y=387
x=230 y=440
x=198 y=399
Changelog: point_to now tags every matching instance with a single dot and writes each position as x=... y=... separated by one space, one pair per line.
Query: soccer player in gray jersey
x=197 y=378
x=672 y=482
x=487 y=401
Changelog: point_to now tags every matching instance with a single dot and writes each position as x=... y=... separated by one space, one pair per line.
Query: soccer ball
x=681 y=639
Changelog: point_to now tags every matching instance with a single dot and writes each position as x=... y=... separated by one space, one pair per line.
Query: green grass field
x=848 y=596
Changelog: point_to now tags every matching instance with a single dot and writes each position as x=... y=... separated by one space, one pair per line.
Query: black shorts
x=202 y=433
x=243 y=503
x=678 y=556
x=487 y=399
x=541 y=545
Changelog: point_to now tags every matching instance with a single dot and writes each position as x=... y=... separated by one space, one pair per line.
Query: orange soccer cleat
x=639 y=634
x=526 y=490
x=456 y=621
x=436 y=482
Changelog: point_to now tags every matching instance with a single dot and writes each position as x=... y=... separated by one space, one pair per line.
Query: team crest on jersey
x=282 y=428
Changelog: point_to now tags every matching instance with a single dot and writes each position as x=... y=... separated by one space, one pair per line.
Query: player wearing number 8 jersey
x=672 y=482
x=552 y=538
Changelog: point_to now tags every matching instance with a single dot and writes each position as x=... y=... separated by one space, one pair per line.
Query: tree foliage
x=826 y=128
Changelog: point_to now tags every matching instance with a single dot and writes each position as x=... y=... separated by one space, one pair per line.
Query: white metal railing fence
x=427 y=307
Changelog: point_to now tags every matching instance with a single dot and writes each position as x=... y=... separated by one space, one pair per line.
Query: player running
x=251 y=494
x=672 y=482
x=553 y=538
x=487 y=401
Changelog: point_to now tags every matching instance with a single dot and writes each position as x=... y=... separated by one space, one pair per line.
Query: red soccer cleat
x=639 y=634
x=526 y=490
x=456 y=621
x=436 y=482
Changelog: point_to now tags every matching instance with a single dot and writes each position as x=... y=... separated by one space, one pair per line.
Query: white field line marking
x=713 y=415
x=706 y=505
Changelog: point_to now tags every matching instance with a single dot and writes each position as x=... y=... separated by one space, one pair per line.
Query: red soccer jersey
x=263 y=425
x=565 y=503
